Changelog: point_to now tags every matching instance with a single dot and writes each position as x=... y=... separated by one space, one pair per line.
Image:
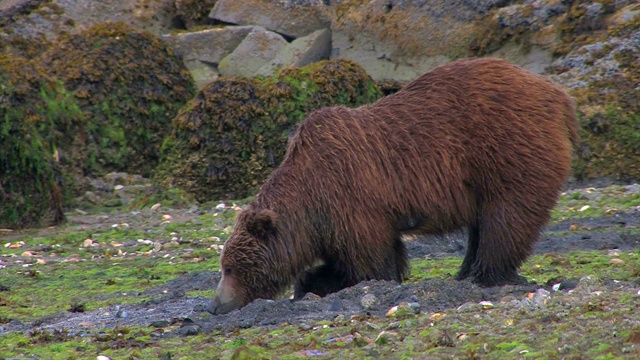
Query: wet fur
x=477 y=144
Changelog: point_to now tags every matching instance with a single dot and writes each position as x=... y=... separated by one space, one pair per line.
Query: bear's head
x=252 y=267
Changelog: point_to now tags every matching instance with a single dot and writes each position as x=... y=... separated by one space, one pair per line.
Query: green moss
x=235 y=131
x=610 y=123
x=30 y=181
x=129 y=84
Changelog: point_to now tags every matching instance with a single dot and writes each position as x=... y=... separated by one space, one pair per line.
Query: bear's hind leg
x=470 y=257
x=505 y=240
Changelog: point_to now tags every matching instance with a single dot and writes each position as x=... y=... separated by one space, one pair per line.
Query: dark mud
x=170 y=306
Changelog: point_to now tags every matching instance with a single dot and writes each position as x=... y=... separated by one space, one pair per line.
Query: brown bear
x=476 y=143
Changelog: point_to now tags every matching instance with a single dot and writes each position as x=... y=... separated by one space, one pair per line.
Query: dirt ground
x=170 y=305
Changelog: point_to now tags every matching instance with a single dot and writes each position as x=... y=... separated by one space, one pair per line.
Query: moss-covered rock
x=604 y=78
x=235 y=131
x=31 y=192
x=129 y=85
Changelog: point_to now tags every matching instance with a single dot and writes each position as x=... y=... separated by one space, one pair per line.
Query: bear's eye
x=227 y=271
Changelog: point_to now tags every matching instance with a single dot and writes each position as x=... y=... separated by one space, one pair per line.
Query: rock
x=469 y=307
x=541 y=297
x=203 y=50
x=291 y=18
x=378 y=59
x=302 y=51
x=626 y=14
x=52 y=18
x=369 y=301
x=487 y=305
x=633 y=188
x=257 y=48
x=588 y=284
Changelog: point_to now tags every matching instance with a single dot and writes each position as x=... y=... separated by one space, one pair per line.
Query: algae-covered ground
x=134 y=285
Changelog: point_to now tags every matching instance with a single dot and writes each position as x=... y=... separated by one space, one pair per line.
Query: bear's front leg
x=321 y=281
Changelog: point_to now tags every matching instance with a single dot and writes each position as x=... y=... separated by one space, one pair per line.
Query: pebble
x=616 y=261
x=541 y=297
x=469 y=307
x=156 y=207
x=486 y=305
x=369 y=301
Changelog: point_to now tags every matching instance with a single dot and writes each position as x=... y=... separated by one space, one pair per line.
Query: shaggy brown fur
x=477 y=143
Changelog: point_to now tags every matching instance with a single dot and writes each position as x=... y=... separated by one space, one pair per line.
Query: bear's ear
x=261 y=223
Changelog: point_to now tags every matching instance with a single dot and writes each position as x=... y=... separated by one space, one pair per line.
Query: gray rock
x=291 y=18
x=208 y=46
x=258 y=47
x=302 y=51
x=369 y=301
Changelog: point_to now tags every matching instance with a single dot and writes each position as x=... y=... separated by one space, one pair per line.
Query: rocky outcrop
x=203 y=50
x=300 y=52
x=289 y=18
x=255 y=50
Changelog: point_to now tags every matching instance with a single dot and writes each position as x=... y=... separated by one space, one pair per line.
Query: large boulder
x=235 y=131
x=129 y=85
x=401 y=40
x=290 y=18
x=203 y=50
x=258 y=48
x=603 y=76
x=300 y=52
x=49 y=19
x=31 y=185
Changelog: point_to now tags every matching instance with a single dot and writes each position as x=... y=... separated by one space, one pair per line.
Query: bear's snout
x=225 y=300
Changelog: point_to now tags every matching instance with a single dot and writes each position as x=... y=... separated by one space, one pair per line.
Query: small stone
x=525 y=303
x=166 y=217
x=156 y=206
x=616 y=261
x=160 y=324
x=369 y=301
x=118 y=187
x=614 y=252
x=339 y=319
x=437 y=316
x=541 y=297
x=486 y=305
x=87 y=243
x=27 y=253
x=221 y=206
x=584 y=208
x=102 y=357
x=415 y=306
x=469 y=307
x=573 y=227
